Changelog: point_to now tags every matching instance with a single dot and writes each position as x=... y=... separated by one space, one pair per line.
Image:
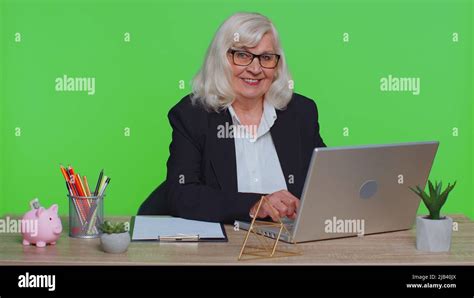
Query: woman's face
x=253 y=81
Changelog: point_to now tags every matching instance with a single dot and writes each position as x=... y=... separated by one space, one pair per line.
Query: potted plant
x=115 y=237
x=433 y=232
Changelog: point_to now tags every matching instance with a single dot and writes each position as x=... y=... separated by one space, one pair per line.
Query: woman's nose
x=254 y=67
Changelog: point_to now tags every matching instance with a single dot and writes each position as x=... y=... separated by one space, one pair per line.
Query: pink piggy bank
x=41 y=226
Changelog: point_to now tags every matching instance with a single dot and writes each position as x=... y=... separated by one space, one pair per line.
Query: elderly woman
x=241 y=134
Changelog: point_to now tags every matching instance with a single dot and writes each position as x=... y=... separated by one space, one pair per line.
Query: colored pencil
x=86 y=185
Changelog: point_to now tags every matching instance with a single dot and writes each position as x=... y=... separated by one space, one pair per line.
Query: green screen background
x=137 y=82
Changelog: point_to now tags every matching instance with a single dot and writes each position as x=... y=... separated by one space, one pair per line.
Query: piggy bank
x=41 y=226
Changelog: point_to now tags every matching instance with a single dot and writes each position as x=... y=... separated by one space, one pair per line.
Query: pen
x=69 y=189
x=96 y=192
x=106 y=183
x=179 y=238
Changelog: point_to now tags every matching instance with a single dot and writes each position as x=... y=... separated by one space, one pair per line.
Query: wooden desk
x=382 y=249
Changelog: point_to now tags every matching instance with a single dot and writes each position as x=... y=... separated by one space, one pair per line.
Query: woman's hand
x=278 y=204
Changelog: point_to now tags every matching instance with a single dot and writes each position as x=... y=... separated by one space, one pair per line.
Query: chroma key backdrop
x=90 y=83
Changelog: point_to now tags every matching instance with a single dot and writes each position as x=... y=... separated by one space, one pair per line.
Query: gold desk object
x=265 y=249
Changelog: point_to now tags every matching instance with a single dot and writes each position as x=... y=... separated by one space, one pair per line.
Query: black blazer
x=201 y=181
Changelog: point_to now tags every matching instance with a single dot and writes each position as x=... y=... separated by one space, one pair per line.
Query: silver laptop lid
x=349 y=189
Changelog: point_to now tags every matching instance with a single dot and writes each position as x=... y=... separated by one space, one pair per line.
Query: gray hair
x=212 y=85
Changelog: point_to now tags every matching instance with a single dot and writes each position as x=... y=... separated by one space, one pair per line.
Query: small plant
x=114 y=228
x=436 y=199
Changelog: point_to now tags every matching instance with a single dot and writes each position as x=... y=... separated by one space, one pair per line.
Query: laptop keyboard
x=289 y=223
x=273 y=231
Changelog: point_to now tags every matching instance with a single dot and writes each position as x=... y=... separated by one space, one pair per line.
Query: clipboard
x=159 y=230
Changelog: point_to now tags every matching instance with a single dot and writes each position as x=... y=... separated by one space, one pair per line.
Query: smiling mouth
x=251 y=82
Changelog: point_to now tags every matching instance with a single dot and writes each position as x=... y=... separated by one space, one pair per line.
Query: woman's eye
x=243 y=55
x=267 y=57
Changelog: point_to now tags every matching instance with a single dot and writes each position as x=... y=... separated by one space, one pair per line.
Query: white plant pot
x=115 y=243
x=433 y=235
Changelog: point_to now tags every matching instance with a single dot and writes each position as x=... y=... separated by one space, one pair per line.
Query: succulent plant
x=114 y=228
x=436 y=198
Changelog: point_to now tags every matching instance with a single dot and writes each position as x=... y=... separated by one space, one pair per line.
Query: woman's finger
x=281 y=208
x=290 y=207
x=272 y=212
x=291 y=203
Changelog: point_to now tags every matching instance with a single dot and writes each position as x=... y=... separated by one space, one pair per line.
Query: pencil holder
x=85 y=216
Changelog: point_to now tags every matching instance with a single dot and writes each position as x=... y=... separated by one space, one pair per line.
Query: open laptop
x=361 y=190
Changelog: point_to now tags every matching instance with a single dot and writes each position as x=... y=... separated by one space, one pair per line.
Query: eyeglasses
x=244 y=58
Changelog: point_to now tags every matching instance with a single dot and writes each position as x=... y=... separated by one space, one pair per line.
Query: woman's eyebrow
x=247 y=50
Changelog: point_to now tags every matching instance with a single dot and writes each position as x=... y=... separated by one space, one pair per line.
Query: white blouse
x=258 y=166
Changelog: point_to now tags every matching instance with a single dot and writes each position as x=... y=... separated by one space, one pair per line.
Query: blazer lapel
x=223 y=152
x=286 y=137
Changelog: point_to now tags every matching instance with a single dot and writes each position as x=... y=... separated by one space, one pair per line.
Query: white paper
x=151 y=227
